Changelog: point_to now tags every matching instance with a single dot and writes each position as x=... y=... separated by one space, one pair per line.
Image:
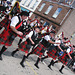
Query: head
x=7 y=9
x=24 y=15
x=52 y=33
x=4 y=1
x=37 y=29
x=28 y=21
x=9 y=3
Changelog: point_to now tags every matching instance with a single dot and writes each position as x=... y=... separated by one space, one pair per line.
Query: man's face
x=24 y=17
x=37 y=30
x=4 y=1
x=51 y=34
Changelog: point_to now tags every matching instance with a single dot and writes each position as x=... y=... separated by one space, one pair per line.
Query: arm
x=29 y=36
x=14 y=21
x=16 y=31
x=69 y=56
x=60 y=48
x=31 y=40
x=51 y=42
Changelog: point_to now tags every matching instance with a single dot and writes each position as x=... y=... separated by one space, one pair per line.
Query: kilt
x=7 y=37
x=39 y=50
x=23 y=47
x=53 y=53
x=63 y=58
x=5 y=22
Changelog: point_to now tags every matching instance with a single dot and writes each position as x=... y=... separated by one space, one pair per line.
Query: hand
x=57 y=43
x=19 y=33
x=33 y=43
x=70 y=57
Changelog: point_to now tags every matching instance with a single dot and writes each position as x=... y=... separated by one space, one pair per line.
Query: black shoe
x=22 y=64
x=53 y=64
x=49 y=67
x=60 y=71
x=12 y=54
x=36 y=66
x=41 y=60
x=1 y=58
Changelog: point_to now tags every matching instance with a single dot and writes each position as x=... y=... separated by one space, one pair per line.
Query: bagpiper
x=15 y=28
x=26 y=45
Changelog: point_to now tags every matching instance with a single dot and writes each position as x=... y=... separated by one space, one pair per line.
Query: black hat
x=4 y=0
x=65 y=38
x=74 y=46
x=25 y=13
x=37 y=27
x=52 y=32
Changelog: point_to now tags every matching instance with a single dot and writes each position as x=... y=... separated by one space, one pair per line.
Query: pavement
x=11 y=65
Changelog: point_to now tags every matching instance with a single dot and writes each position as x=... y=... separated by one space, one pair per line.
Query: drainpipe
x=65 y=16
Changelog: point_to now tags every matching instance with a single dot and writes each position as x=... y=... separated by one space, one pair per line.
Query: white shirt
x=57 y=41
x=47 y=37
x=31 y=33
x=14 y=21
x=68 y=50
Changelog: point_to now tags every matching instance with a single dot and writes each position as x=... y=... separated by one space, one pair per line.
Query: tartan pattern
x=63 y=58
x=5 y=22
x=23 y=48
x=6 y=37
x=52 y=53
x=38 y=50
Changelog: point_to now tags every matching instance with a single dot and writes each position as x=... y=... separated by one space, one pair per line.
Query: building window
x=42 y=6
x=68 y=1
x=57 y=13
x=49 y=8
x=24 y=2
x=34 y=4
x=46 y=24
x=29 y=3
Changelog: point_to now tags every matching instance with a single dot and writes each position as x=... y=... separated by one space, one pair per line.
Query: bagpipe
x=15 y=9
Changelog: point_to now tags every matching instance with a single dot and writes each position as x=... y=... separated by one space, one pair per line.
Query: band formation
x=34 y=38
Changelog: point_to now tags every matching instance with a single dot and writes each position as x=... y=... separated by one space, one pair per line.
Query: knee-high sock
x=51 y=63
x=62 y=68
x=44 y=58
x=2 y=50
x=19 y=41
x=14 y=52
x=37 y=61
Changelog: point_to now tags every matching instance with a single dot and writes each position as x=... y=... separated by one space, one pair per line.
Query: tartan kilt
x=38 y=50
x=63 y=58
x=5 y=22
x=7 y=37
x=23 y=47
x=52 y=53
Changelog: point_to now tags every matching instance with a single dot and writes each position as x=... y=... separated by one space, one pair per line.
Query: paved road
x=10 y=65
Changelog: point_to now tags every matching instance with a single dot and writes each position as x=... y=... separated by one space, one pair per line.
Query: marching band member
x=15 y=28
x=26 y=45
x=40 y=49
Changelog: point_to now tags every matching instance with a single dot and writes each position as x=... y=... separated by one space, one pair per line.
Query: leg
x=55 y=62
x=22 y=62
x=19 y=41
x=61 y=69
x=52 y=61
x=44 y=58
x=14 y=52
x=2 y=50
x=36 y=64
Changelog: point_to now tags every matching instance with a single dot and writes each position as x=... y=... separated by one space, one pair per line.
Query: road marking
x=31 y=68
